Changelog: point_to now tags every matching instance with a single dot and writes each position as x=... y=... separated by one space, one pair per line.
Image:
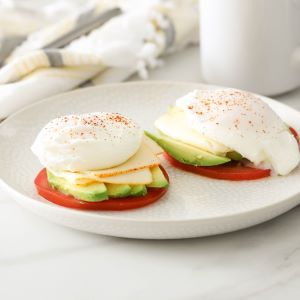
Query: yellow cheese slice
x=144 y=158
x=142 y=176
x=156 y=149
x=175 y=125
x=134 y=171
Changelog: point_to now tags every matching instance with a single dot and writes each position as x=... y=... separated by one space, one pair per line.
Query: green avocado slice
x=118 y=190
x=91 y=193
x=187 y=154
x=138 y=190
x=159 y=179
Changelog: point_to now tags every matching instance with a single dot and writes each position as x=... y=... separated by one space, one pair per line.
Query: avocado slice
x=159 y=179
x=234 y=155
x=94 y=192
x=187 y=154
x=118 y=190
x=138 y=190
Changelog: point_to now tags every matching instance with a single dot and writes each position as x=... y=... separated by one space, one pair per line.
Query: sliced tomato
x=54 y=196
x=295 y=134
x=229 y=171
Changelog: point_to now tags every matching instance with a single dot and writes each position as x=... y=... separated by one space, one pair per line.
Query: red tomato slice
x=54 y=196
x=228 y=171
x=295 y=134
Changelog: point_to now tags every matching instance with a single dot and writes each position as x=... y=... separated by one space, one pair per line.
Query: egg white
x=87 y=142
x=232 y=119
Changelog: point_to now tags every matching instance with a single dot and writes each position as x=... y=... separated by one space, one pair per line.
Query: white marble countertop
x=41 y=260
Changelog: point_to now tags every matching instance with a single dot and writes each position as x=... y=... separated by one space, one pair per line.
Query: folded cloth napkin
x=102 y=43
x=18 y=19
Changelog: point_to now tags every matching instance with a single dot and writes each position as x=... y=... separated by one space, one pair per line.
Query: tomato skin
x=228 y=171
x=54 y=196
x=295 y=134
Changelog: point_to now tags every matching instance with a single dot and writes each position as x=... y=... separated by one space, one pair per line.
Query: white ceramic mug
x=251 y=44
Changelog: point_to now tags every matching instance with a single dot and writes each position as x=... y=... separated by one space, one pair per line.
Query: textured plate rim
x=11 y=191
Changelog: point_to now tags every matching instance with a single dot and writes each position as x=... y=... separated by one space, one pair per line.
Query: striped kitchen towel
x=102 y=43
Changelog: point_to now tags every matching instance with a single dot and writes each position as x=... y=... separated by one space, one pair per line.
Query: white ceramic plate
x=194 y=206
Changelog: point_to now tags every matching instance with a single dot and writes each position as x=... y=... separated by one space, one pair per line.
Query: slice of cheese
x=142 y=176
x=134 y=171
x=175 y=125
x=144 y=158
x=156 y=149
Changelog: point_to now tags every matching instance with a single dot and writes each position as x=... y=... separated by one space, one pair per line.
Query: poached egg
x=86 y=142
x=226 y=120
